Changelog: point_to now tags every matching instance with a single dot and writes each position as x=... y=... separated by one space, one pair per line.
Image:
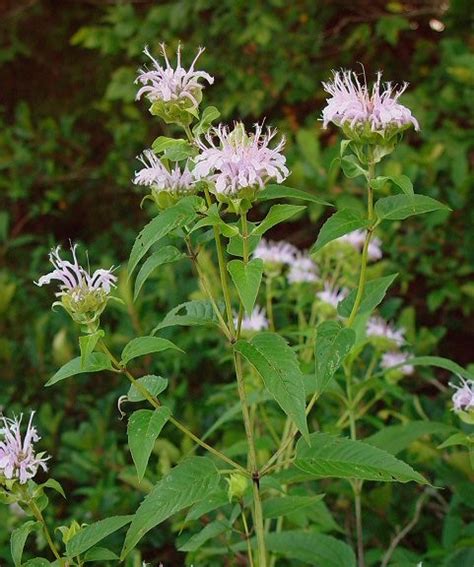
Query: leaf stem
x=156 y=404
x=39 y=516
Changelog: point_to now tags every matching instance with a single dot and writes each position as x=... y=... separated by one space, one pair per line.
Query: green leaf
x=165 y=255
x=189 y=482
x=401 y=181
x=211 y=530
x=189 y=314
x=374 y=292
x=439 y=362
x=144 y=427
x=99 y=554
x=247 y=279
x=18 y=540
x=39 y=562
x=277 y=364
x=313 y=548
x=54 y=485
x=170 y=219
x=331 y=456
x=96 y=362
x=283 y=192
x=173 y=149
x=396 y=438
x=87 y=344
x=340 y=223
x=457 y=439
x=216 y=500
x=213 y=218
x=145 y=345
x=154 y=384
x=209 y=114
x=92 y=534
x=351 y=167
x=399 y=207
x=276 y=215
x=333 y=343
x=284 y=505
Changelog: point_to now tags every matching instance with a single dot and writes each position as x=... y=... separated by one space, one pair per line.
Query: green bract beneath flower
x=82 y=295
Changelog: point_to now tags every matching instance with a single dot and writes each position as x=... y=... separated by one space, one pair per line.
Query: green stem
x=247 y=536
x=252 y=463
x=39 y=516
x=156 y=404
x=363 y=268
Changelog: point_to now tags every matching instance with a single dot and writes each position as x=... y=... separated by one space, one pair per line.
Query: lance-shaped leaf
x=246 y=278
x=374 y=292
x=153 y=384
x=276 y=215
x=189 y=314
x=333 y=343
x=170 y=219
x=18 y=540
x=401 y=181
x=331 y=456
x=438 y=362
x=277 y=364
x=284 y=505
x=96 y=362
x=340 y=223
x=273 y=191
x=146 y=345
x=165 y=255
x=92 y=534
x=87 y=344
x=191 y=481
x=211 y=530
x=144 y=427
x=399 y=207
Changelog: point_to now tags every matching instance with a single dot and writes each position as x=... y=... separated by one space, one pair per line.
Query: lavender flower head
x=236 y=160
x=256 y=321
x=275 y=254
x=302 y=269
x=353 y=106
x=155 y=175
x=168 y=84
x=463 y=397
x=331 y=295
x=82 y=294
x=357 y=238
x=390 y=359
x=379 y=328
x=17 y=455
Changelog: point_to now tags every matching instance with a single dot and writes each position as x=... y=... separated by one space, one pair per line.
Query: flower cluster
x=256 y=321
x=155 y=175
x=275 y=254
x=352 y=105
x=379 y=328
x=302 y=269
x=331 y=295
x=356 y=239
x=396 y=358
x=237 y=161
x=84 y=296
x=463 y=397
x=165 y=84
x=17 y=455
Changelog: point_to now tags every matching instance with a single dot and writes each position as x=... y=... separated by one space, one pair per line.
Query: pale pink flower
x=378 y=327
x=17 y=455
x=236 y=160
x=168 y=84
x=302 y=269
x=256 y=321
x=74 y=279
x=275 y=252
x=463 y=397
x=390 y=359
x=351 y=103
x=155 y=174
x=356 y=239
x=331 y=295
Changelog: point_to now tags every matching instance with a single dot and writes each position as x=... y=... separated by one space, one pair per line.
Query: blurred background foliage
x=69 y=131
